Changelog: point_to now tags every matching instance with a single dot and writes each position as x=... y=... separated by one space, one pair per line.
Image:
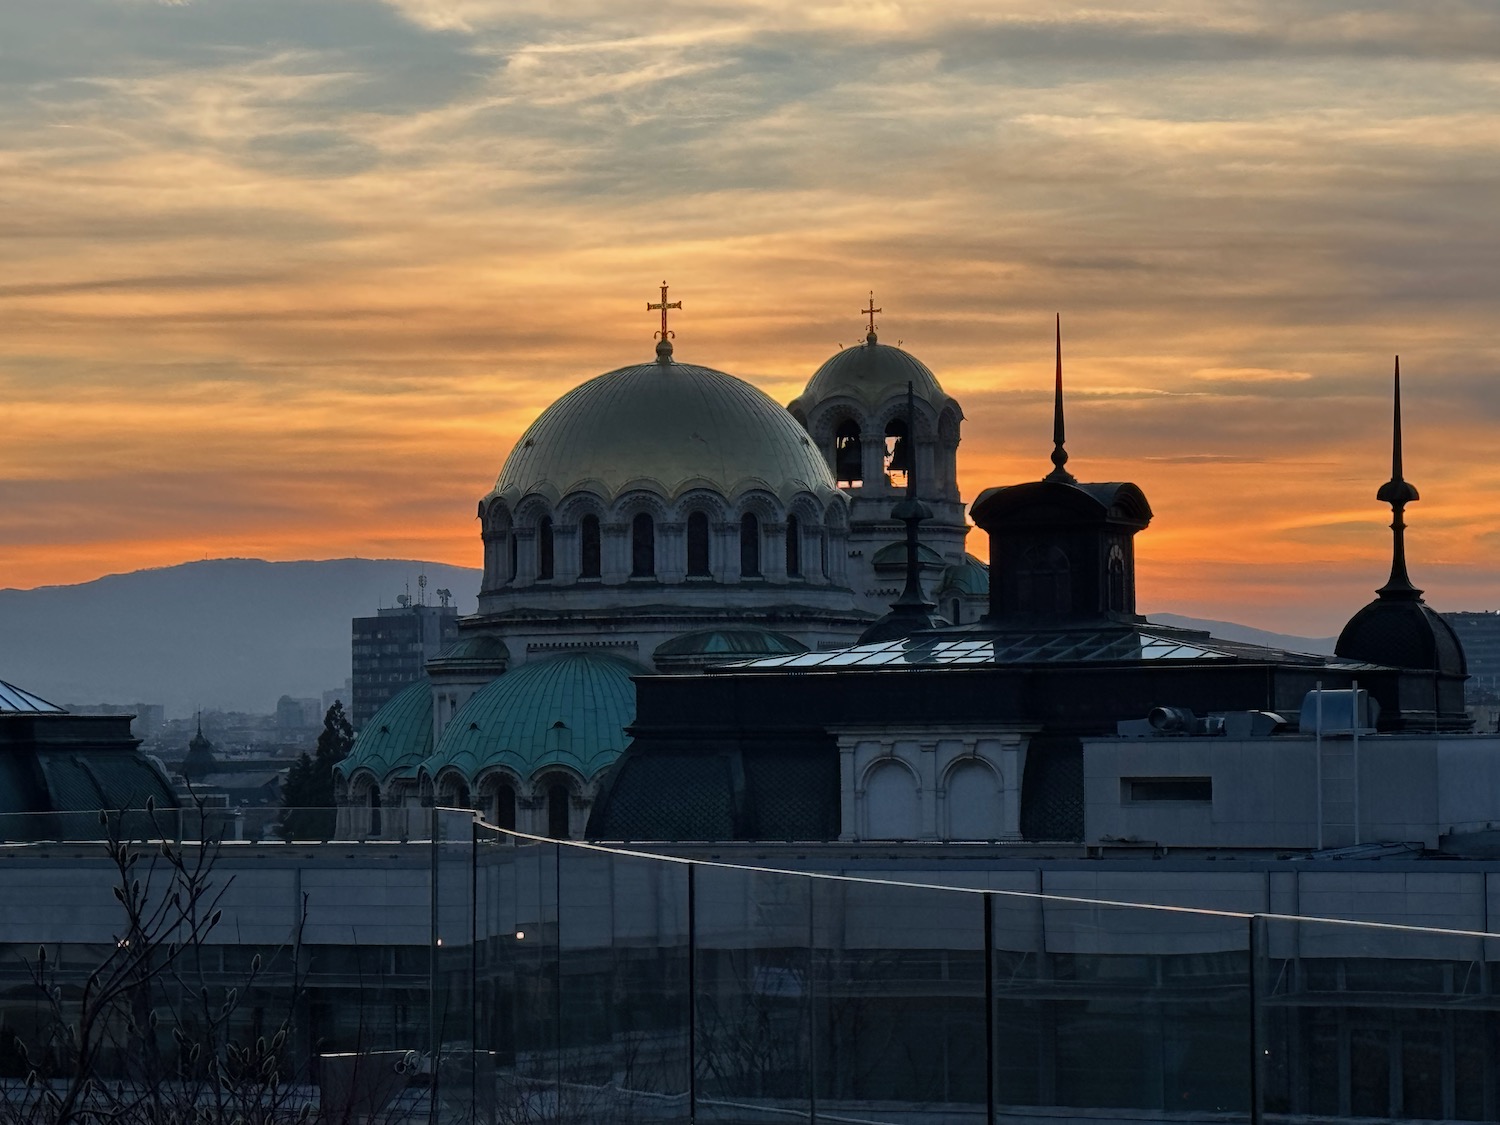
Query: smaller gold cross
x=871 y=311
x=664 y=305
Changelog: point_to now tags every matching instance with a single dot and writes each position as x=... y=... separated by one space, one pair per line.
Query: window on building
x=557 y=811
x=1044 y=582
x=588 y=547
x=697 y=545
x=1116 y=579
x=848 y=454
x=1197 y=789
x=510 y=575
x=749 y=546
x=504 y=810
x=544 y=549
x=793 y=547
x=898 y=452
x=642 y=547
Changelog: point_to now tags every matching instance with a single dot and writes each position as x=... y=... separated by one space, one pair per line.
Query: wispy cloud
x=270 y=266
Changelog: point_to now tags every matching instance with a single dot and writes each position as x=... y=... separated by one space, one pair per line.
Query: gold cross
x=664 y=305
x=871 y=311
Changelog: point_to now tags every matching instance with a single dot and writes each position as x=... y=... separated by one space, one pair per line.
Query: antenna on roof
x=445 y=596
x=421 y=589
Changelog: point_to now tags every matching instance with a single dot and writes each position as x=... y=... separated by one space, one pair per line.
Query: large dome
x=670 y=424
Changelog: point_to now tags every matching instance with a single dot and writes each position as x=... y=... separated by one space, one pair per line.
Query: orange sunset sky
x=287 y=279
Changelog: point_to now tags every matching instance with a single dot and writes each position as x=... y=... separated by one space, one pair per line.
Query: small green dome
x=472 y=652
x=693 y=651
x=969 y=577
x=397 y=738
x=873 y=372
x=567 y=710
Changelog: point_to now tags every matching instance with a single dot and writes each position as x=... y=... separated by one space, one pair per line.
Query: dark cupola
x=1398 y=629
x=200 y=760
x=1061 y=552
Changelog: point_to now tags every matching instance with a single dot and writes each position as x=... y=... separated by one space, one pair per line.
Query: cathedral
x=664 y=517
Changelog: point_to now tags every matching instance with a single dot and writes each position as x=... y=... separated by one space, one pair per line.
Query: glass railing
x=562 y=982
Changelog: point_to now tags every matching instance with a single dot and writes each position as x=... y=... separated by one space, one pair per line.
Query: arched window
x=848 y=453
x=955 y=615
x=374 y=810
x=893 y=808
x=697 y=545
x=1044 y=582
x=511 y=574
x=749 y=546
x=642 y=547
x=588 y=547
x=505 y=806
x=898 y=451
x=1116 y=579
x=544 y=555
x=557 y=810
x=823 y=553
x=793 y=547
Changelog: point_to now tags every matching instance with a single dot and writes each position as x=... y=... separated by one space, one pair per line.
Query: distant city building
x=1480 y=633
x=344 y=695
x=391 y=650
x=149 y=718
x=298 y=714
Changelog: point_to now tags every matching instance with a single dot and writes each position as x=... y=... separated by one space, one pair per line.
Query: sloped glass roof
x=14 y=701
x=972 y=647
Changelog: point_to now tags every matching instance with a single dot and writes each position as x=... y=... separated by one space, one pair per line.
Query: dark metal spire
x=1398 y=494
x=1059 y=430
x=912 y=512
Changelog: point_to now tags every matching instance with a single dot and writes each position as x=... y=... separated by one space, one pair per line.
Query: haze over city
x=287 y=281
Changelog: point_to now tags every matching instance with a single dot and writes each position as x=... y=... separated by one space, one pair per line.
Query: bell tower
x=856 y=410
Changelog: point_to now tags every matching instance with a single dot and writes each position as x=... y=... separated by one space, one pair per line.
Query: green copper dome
x=569 y=710
x=873 y=372
x=397 y=738
x=969 y=577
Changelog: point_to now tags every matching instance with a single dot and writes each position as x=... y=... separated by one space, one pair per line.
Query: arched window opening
x=898 y=452
x=514 y=549
x=893 y=808
x=588 y=547
x=697 y=545
x=1044 y=582
x=642 y=547
x=557 y=811
x=793 y=547
x=544 y=552
x=848 y=456
x=955 y=615
x=1116 y=579
x=375 y=827
x=504 y=810
x=749 y=546
x=823 y=553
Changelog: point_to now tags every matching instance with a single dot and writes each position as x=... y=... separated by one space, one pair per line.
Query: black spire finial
x=1059 y=430
x=912 y=512
x=1398 y=494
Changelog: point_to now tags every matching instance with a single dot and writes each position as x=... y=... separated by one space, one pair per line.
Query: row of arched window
x=643 y=547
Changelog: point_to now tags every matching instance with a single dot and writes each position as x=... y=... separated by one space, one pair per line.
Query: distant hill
x=237 y=634
x=1229 y=631
x=229 y=633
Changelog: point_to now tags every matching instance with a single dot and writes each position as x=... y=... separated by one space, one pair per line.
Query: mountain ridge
x=238 y=633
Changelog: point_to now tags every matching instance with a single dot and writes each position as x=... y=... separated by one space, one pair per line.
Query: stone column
x=614 y=553
x=926 y=763
x=848 y=796
x=872 y=463
x=525 y=556
x=671 y=552
x=773 y=552
x=567 y=561
x=727 y=537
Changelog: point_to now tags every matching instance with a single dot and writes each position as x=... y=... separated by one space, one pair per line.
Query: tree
x=307 y=793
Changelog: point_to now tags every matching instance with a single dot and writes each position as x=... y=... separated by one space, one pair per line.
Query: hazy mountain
x=230 y=633
x=1320 y=646
x=239 y=633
